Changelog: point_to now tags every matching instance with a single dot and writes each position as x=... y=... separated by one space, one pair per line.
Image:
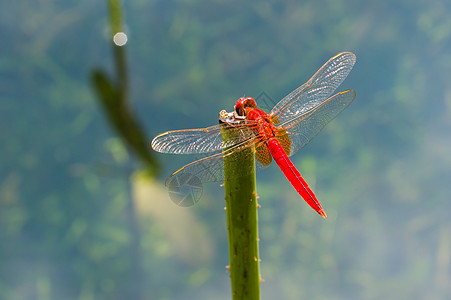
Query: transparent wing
x=210 y=169
x=185 y=185
x=198 y=141
x=189 y=141
x=307 y=125
x=319 y=87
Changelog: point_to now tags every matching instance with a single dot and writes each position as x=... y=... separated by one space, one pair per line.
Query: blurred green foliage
x=113 y=95
x=381 y=169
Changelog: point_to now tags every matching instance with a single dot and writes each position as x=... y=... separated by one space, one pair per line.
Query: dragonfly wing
x=319 y=87
x=306 y=126
x=189 y=141
x=208 y=169
x=198 y=141
x=185 y=185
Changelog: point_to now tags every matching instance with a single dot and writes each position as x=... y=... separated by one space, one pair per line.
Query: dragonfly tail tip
x=322 y=213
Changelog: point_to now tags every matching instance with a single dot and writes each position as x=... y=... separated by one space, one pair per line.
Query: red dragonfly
x=291 y=124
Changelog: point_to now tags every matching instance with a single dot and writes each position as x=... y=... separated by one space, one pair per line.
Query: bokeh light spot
x=120 y=39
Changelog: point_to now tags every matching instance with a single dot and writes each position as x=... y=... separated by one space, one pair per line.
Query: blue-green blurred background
x=381 y=169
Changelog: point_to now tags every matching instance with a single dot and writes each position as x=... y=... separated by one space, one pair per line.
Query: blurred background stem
x=113 y=97
x=116 y=21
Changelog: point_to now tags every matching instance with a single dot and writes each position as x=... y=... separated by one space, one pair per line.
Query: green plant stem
x=113 y=96
x=241 y=209
x=116 y=21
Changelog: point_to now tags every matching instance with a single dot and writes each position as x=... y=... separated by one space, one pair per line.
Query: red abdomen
x=293 y=175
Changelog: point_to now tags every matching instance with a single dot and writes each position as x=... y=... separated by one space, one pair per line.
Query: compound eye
x=242 y=104
x=239 y=107
x=240 y=111
x=250 y=102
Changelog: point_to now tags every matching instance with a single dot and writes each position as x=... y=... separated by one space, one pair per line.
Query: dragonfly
x=290 y=125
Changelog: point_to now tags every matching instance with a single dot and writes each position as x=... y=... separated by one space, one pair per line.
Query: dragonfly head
x=243 y=105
